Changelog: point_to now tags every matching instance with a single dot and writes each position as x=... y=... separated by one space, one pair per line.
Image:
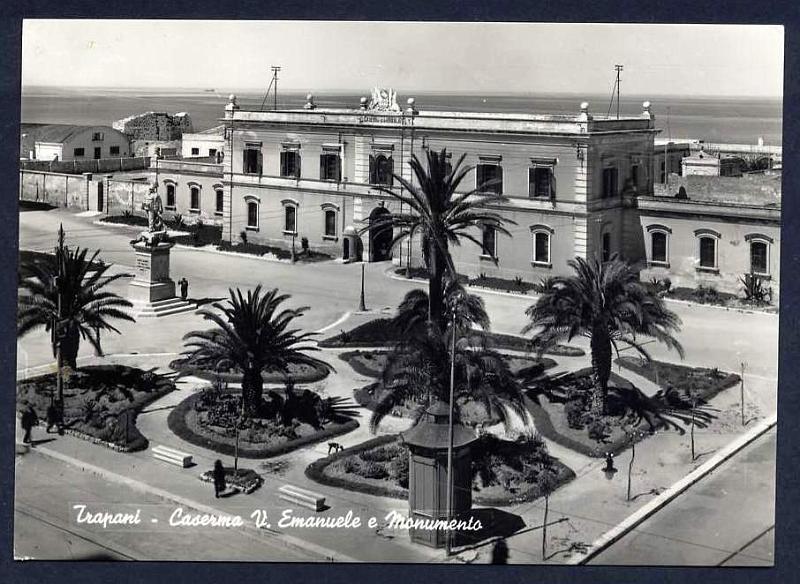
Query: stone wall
x=60 y=190
x=79 y=167
x=155 y=126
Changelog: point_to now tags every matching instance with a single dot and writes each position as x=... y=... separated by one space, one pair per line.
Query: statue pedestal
x=152 y=292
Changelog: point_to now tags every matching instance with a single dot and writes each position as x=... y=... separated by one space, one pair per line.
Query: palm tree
x=441 y=217
x=77 y=284
x=418 y=367
x=253 y=334
x=607 y=303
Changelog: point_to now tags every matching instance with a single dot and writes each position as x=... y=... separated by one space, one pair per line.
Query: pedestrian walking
x=500 y=552
x=184 y=285
x=219 y=479
x=28 y=421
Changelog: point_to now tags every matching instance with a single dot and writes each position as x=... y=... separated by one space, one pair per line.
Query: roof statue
x=156 y=230
x=384 y=100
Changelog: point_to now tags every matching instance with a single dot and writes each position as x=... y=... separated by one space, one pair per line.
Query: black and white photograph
x=398 y=292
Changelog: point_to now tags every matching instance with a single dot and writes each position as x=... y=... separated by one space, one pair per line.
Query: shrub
x=374 y=470
x=574 y=410
x=350 y=465
x=243 y=236
x=754 y=289
x=598 y=430
x=398 y=468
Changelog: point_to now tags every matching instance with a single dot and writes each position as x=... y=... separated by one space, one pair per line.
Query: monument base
x=152 y=292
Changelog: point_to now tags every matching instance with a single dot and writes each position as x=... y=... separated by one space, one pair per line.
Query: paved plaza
x=580 y=512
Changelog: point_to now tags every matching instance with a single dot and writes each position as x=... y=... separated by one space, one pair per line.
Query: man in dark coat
x=219 y=479
x=28 y=421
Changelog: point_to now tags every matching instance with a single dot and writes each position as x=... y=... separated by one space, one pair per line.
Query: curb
x=629 y=523
x=289 y=541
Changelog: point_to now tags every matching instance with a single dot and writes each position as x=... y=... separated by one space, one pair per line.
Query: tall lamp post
x=362 y=307
x=58 y=327
x=448 y=538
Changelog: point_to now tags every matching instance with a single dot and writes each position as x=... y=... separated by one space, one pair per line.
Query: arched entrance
x=380 y=236
x=100 y=196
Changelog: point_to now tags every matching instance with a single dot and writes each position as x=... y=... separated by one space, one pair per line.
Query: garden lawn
x=503 y=472
x=100 y=402
x=210 y=423
x=704 y=383
x=274 y=252
x=204 y=369
x=381 y=332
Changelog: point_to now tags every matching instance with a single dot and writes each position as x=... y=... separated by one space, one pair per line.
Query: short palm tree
x=441 y=217
x=607 y=303
x=418 y=368
x=86 y=306
x=253 y=334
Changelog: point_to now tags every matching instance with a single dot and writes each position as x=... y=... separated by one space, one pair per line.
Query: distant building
x=65 y=142
x=206 y=144
x=667 y=157
x=151 y=126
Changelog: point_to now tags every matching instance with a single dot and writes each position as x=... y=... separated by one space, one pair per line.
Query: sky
x=688 y=60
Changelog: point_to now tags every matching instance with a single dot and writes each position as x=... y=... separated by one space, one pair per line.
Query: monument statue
x=156 y=230
x=384 y=100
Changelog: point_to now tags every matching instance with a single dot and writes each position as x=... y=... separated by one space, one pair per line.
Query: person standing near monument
x=184 y=284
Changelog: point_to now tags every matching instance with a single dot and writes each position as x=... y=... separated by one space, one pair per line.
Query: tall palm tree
x=441 y=217
x=86 y=307
x=607 y=303
x=418 y=367
x=253 y=334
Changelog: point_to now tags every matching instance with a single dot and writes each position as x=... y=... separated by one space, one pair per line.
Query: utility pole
x=741 y=389
x=275 y=89
x=618 y=68
x=448 y=542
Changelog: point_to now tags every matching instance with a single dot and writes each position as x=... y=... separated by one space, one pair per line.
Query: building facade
x=320 y=174
x=66 y=142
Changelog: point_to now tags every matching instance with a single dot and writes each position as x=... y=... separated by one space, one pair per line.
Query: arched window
x=707 y=252
x=170 y=204
x=330 y=223
x=540 y=240
x=252 y=214
x=194 y=198
x=759 y=253
x=290 y=219
x=220 y=201
x=659 y=244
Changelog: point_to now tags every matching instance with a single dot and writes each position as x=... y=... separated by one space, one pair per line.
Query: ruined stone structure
x=155 y=126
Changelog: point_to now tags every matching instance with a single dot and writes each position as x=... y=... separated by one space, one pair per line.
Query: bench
x=302 y=497
x=172 y=456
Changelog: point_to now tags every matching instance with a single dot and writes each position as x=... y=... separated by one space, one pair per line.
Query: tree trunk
x=435 y=286
x=69 y=348
x=252 y=390
x=601 y=369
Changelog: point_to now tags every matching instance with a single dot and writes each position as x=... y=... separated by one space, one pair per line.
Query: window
x=114 y=150
x=195 y=152
x=171 y=196
x=635 y=176
x=759 y=253
x=658 y=247
x=97 y=136
x=220 y=201
x=489 y=241
x=290 y=163
x=194 y=198
x=290 y=219
x=542 y=180
x=663 y=173
x=78 y=152
x=330 y=166
x=606 y=244
x=253 y=160
x=252 y=215
x=707 y=249
x=381 y=167
x=610 y=176
x=212 y=152
x=489 y=177
x=541 y=247
x=330 y=223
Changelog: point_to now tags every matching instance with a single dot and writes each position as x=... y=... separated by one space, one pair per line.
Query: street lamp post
x=58 y=328
x=448 y=539
x=362 y=307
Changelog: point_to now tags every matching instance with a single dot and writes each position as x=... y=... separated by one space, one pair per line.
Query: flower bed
x=504 y=472
x=100 y=402
x=298 y=373
x=244 y=480
x=705 y=383
x=265 y=438
x=381 y=332
x=274 y=252
x=517 y=286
